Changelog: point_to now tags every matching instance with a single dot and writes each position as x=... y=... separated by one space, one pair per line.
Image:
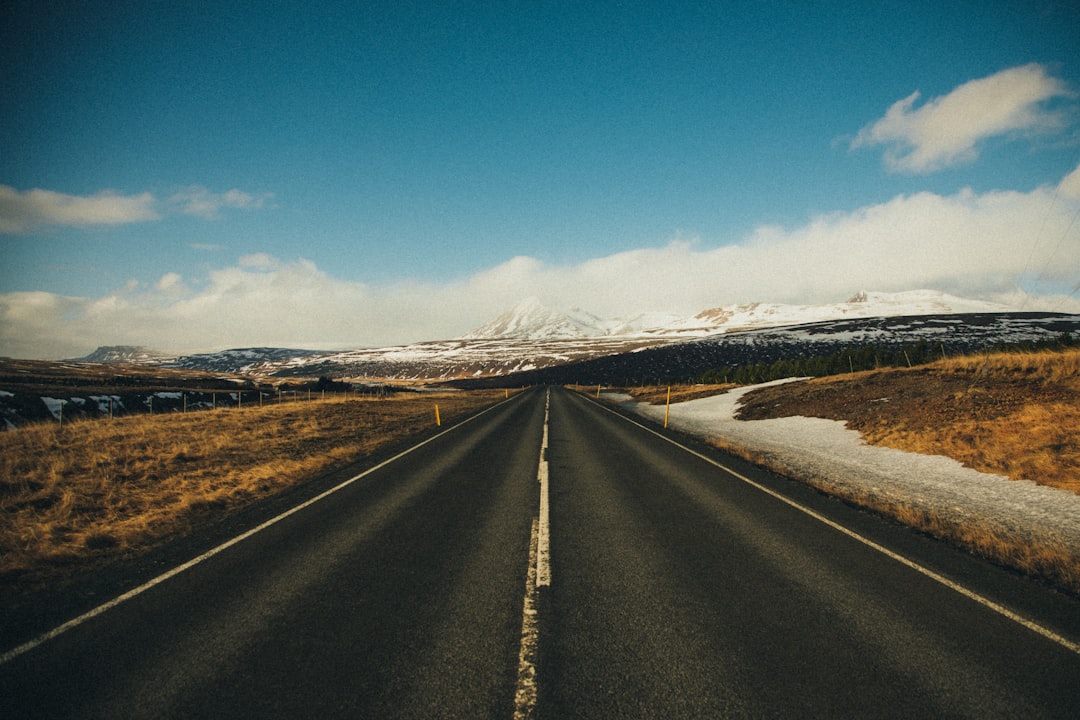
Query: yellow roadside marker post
x=667 y=407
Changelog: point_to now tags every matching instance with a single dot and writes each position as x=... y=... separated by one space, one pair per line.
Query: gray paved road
x=681 y=591
x=677 y=590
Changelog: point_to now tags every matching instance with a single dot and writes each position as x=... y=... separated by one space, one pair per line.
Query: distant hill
x=249 y=361
x=684 y=361
x=531 y=320
x=531 y=337
x=126 y=354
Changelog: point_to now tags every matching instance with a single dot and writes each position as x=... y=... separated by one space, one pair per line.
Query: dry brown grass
x=996 y=428
x=105 y=487
x=658 y=394
x=1045 y=368
x=1037 y=442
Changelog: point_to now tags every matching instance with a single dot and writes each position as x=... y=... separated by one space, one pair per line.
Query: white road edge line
x=971 y=594
x=538 y=576
x=75 y=622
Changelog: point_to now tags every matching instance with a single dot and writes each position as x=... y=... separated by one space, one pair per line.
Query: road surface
x=673 y=588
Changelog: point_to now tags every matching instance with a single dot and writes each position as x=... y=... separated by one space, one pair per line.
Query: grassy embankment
x=995 y=424
x=1010 y=414
x=98 y=488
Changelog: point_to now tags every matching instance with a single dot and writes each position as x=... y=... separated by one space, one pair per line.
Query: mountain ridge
x=531 y=336
x=125 y=354
x=532 y=320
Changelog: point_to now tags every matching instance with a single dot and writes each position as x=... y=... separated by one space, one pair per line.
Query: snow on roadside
x=54 y=405
x=836 y=459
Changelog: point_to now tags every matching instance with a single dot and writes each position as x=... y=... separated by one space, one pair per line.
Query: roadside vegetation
x=1014 y=414
x=107 y=487
x=863 y=357
x=658 y=394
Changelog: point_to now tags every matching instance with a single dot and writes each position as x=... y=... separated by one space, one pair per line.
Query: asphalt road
x=677 y=590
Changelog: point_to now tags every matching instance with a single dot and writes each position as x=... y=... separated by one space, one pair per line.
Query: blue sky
x=195 y=176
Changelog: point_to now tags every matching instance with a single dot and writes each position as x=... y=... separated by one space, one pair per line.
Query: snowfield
x=828 y=455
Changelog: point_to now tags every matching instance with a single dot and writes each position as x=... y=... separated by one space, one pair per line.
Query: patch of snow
x=103 y=402
x=828 y=454
x=54 y=405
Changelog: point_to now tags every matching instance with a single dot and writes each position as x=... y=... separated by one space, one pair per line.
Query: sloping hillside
x=688 y=360
x=1010 y=414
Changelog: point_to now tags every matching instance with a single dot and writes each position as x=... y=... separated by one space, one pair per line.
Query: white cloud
x=23 y=211
x=260 y=261
x=1069 y=187
x=199 y=201
x=946 y=129
x=171 y=285
x=1020 y=248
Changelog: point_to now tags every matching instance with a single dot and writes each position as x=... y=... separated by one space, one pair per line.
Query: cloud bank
x=1018 y=248
x=945 y=130
x=24 y=212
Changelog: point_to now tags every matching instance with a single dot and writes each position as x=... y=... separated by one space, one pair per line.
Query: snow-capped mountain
x=531 y=320
x=686 y=360
x=729 y=318
x=531 y=337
